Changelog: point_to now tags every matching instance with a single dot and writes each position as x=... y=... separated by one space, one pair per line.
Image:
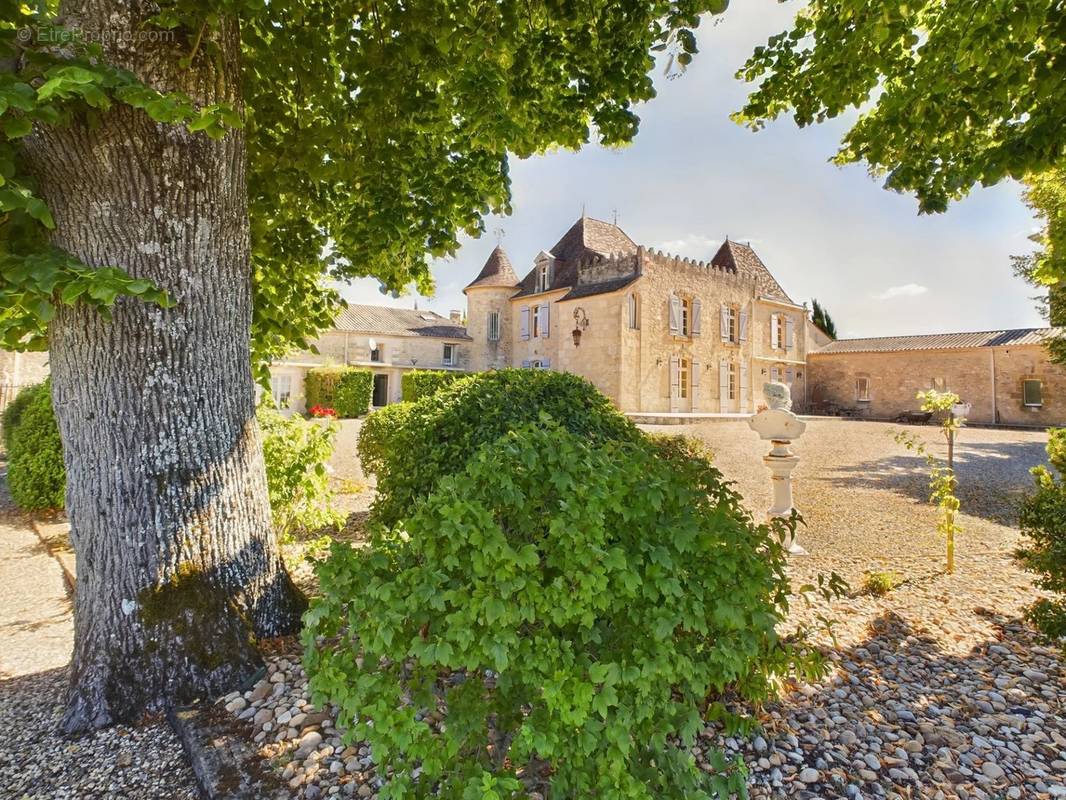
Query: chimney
x=456 y=317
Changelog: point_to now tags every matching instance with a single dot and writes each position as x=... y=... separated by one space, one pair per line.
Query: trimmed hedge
x=580 y=600
x=36 y=475
x=419 y=383
x=412 y=448
x=347 y=390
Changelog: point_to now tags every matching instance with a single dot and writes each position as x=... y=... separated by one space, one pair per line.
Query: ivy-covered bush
x=410 y=450
x=555 y=616
x=296 y=451
x=347 y=390
x=36 y=475
x=419 y=383
x=1043 y=524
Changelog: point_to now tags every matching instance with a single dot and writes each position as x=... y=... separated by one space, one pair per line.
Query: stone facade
x=990 y=377
x=387 y=341
x=654 y=332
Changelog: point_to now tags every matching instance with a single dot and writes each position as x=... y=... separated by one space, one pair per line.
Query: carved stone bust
x=778 y=395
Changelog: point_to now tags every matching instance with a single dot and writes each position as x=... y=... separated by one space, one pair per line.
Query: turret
x=488 y=303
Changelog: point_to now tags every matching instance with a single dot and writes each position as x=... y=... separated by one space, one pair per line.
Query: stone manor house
x=660 y=334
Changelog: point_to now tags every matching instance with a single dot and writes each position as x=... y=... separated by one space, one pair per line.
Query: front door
x=381 y=390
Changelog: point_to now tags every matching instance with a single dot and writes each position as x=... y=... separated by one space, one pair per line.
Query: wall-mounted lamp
x=581 y=322
x=659 y=361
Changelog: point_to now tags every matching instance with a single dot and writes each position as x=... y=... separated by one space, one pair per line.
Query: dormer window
x=543 y=280
x=544 y=277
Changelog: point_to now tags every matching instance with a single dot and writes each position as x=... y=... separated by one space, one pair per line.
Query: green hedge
x=578 y=599
x=347 y=390
x=35 y=472
x=412 y=448
x=419 y=383
x=1043 y=550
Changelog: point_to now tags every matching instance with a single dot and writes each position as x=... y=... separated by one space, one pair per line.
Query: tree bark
x=178 y=564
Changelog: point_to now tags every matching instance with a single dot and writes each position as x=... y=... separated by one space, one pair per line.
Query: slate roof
x=496 y=272
x=738 y=257
x=938 y=341
x=586 y=238
x=397 y=322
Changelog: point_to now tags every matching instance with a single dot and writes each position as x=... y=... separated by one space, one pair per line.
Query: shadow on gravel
x=993 y=477
x=911 y=718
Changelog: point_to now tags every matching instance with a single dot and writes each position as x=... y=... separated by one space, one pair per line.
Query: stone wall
x=20 y=369
x=896 y=378
x=605 y=268
x=421 y=352
x=480 y=302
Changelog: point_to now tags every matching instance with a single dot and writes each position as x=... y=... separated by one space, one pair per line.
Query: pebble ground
x=936 y=690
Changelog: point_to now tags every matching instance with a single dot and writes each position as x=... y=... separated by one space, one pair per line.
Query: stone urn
x=778 y=425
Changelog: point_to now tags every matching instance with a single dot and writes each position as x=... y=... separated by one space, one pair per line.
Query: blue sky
x=692 y=177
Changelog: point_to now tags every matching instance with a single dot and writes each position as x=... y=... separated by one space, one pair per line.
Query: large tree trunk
x=178 y=565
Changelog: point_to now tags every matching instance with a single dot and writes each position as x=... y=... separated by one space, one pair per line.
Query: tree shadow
x=992 y=476
x=909 y=718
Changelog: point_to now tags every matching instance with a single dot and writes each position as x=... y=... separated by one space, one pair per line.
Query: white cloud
x=693 y=245
x=906 y=290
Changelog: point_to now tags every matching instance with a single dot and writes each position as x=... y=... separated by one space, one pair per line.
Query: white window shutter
x=675 y=383
x=775 y=324
x=743 y=326
x=523 y=316
x=790 y=333
x=775 y=374
x=546 y=363
x=696 y=307
x=525 y=364
x=675 y=314
x=695 y=385
x=790 y=375
x=545 y=327
x=725 y=322
x=743 y=387
x=723 y=385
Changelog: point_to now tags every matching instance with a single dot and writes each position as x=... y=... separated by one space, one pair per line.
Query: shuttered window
x=862 y=390
x=494 y=326
x=523 y=322
x=634 y=312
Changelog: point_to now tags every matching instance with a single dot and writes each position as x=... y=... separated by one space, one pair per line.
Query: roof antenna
x=416 y=304
x=499 y=233
x=615 y=217
x=582 y=210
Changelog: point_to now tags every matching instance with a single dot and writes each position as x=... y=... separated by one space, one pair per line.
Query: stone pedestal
x=780 y=427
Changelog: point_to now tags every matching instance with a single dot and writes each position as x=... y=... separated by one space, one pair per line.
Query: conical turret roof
x=496 y=272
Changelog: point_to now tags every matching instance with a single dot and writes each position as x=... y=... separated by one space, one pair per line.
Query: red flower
x=321 y=411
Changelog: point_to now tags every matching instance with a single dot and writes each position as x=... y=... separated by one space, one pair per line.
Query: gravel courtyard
x=938 y=690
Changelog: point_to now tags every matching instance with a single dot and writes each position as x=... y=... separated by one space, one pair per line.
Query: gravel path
x=937 y=690
x=36 y=637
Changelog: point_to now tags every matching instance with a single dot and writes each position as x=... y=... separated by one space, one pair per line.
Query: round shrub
x=436 y=435
x=13 y=412
x=35 y=472
x=419 y=383
x=566 y=609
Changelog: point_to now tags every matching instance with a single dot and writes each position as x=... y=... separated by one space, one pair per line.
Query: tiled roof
x=496 y=272
x=938 y=341
x=603 y=287
x=397 y=322
x=586 y=238
x=741 y=258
